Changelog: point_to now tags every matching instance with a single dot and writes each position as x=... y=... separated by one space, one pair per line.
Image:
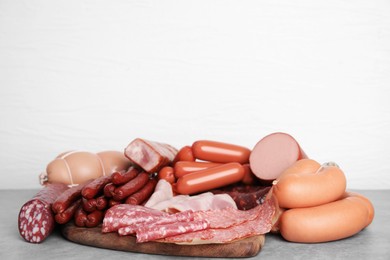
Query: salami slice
x=36 y=219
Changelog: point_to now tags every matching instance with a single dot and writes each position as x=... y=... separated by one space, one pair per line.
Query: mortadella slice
x=149 y=155
x=273 y=154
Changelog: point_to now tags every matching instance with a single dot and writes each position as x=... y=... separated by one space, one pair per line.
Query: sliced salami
x=36 y=219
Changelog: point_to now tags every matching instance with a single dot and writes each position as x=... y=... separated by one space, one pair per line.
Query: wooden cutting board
x=247 y=247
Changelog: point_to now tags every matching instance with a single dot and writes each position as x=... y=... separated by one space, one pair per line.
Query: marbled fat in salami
x=36 y=219
x=261 y=224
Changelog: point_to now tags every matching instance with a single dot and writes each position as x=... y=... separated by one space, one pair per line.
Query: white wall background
x=94 y=75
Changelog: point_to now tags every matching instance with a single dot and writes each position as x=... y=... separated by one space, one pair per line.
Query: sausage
x=131 y=187
x=184 y=154
x=122 y=177
x=220 y=152
x=249 y=177
x=210 y=178
x=307 y=189
x=76 y=167
x=167 y=173
x=109 y=190
x=95 y=187
x=332 y=221
x=88 y=205
x=101 y=203
x=367 y=202
x=65 y=216
x=112 y=202
x=67 y=198
x=143 y=194
x=183 y=167
x=304 y=166
x=273 y=154
x=36 y=219
x=83 y=219
x=149 y=155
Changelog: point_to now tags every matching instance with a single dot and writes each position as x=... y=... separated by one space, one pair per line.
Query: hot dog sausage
x=122 y=177
x=167 y=173
x=131 y=187
x=210 y=178
x=95 y=187
x=327 y=222
x=36 y=219
x=273 y=154
x=65 y=216
x=220 y=152
x=184 y=154
x=183 y=167
x=143 y=194
x=307 y=189
x=304 y=166
x=67 y=198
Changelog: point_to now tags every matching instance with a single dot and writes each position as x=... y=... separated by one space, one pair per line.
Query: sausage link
x=184 y=154
x=182 y=168
x=67 y=198
x=328 y=222
x=83 y=219
x=88 y=205
x=80 y=217
x=307 y=189
x=101 y=203
x=112 y=203
x=109 y=190
x=95 y=187
x=143 y=194
x=119 y=178
x=131 y=187
x=65 y=216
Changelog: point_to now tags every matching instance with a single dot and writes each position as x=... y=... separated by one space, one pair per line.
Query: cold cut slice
x=36 y=219
x=149 y=155
x=273 y=154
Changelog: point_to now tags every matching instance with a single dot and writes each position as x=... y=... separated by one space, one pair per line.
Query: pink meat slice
x=123 y=215
x=261 y=224
x=149 y=155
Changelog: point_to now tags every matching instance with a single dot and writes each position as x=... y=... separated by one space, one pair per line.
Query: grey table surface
x=371 y=243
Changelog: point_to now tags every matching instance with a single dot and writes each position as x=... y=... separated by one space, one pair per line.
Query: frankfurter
x=95 y=187
x=220 y=152
x=184 y=154
x=182 y=168
x=302 y=166
x=273 y=154
x=167 y=173
x=131 y=187
x=210 y=178
x=307 y=189
x=331 y=221
x=122 y=177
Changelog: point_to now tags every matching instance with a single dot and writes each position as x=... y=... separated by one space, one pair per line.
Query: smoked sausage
x=220 y=152
x=273 y=154
x=95 y=187
x=143 y=194
x=331 y=221
x=67 y=198
x=298 y=190
x=36 y=219
x=210 y=178
x=184 y=167
x=122 y=177
x=65 y=216
x=131 y=187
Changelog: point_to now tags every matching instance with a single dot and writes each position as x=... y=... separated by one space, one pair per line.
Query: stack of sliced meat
x=192 y=227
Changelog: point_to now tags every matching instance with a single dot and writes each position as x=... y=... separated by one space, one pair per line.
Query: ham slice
x=149 y=155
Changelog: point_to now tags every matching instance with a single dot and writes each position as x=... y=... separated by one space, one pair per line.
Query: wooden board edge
x=247 y=247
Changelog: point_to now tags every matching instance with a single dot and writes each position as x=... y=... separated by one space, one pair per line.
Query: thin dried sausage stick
x=67 y=198
x=143 y=194
x=65 y=216
x=131 y=187
x=119 y=178
x=95 y=187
